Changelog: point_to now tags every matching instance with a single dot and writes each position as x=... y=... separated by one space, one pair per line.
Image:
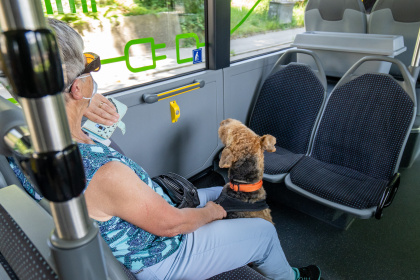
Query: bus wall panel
x=187 y=146
x=242 y=81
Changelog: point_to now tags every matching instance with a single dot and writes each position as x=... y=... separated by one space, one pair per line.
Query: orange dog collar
x=246 y=187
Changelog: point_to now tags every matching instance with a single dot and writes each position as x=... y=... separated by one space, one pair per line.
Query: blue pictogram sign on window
x=197 y=56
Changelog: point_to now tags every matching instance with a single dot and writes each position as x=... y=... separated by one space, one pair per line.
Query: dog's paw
x=267 y=143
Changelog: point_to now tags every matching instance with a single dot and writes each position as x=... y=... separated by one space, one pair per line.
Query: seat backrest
x=336 y=16
x=397 y=17
x=288 y=106
x=365 y=125
x=7 y=176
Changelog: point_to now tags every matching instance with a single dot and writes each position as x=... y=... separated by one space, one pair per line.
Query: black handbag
x=181 y=191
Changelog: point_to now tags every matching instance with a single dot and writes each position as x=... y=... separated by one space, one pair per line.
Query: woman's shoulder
x=96 y=148
x=96 y=155
x=98 y=152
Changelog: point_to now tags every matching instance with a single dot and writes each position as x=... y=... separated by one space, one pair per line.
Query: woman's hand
x=217 y=210
x=102 y=111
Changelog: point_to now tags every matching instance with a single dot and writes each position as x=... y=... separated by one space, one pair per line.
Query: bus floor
x=367 y=250
x=386 y=249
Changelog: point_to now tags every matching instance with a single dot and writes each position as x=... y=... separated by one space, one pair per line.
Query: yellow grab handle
x=175 y=111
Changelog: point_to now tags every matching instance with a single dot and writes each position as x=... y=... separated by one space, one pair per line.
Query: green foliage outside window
x=191 y=18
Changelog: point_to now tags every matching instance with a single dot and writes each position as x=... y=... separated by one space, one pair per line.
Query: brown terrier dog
x=244 y=156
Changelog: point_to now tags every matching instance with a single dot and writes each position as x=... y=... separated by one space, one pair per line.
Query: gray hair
x=71 y=48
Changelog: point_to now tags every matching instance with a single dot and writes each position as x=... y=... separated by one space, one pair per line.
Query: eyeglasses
x=93 y=62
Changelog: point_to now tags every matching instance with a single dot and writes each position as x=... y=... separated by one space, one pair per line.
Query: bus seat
x=357 y=148
x=15 y=202
x=336 y=16
x=400 y=17
x=241 y=273
x=10 y=178
x=397 y=17
x=14 y=240
x=7 y=176
x=288 y=106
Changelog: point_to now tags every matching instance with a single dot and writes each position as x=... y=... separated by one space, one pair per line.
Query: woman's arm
x=115 y=190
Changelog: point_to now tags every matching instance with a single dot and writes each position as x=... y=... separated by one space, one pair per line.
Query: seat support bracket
x=388 y=195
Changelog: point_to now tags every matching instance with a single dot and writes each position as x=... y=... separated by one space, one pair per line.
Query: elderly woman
x=151 y=237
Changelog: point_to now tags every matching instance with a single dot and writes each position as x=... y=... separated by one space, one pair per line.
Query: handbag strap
x=182 y=192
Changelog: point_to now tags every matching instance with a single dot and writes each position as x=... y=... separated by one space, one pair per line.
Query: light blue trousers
x=221 y=246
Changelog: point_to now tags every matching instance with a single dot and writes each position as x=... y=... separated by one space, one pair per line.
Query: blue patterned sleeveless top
x=132 y=246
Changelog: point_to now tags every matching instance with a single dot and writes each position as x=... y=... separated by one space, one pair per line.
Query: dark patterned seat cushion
x=358 y=142
x=337 y=184
x=281 y=161
x=287 y=108
x=364 y=126
x=13 y=245
x=241 y=273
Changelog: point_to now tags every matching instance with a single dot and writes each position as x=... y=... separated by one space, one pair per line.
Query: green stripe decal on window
x=112 y=60
x=245 y=17
x=84 y=6
x=153 y=48
x=72 y=6
x=48 y=6
x=60 y=7
x=178 y=46
x=93 y=4
x=126 y=57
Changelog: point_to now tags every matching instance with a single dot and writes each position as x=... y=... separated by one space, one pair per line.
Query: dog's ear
x=223 y=134
x=226 y=159
x=268 y=142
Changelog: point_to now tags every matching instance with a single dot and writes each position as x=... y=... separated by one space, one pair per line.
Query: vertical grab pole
x=415 y=62
x=31 y=61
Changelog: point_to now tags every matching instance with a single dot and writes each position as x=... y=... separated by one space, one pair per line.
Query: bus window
x=261 y=26
x=139 y=41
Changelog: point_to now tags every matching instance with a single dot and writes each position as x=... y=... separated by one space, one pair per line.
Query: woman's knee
x=264 y=224
x=262 y=228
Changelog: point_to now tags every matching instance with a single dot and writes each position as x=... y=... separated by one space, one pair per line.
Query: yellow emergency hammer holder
x=175 y=111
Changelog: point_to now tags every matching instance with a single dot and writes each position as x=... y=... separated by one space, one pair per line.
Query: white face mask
x=95 y=86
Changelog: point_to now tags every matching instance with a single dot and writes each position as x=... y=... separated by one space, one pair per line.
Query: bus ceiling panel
x=186 y=146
